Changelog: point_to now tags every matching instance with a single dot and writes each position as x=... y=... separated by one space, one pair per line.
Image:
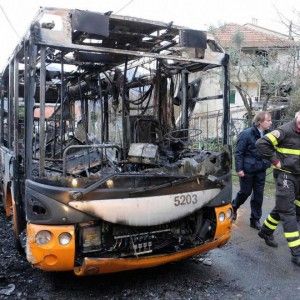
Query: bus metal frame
x=98 y=174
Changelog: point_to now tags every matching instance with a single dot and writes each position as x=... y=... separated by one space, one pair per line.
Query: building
x=264 y=65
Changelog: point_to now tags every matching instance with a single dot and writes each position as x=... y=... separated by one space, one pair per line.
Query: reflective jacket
x=247 y=158
x=282 y=144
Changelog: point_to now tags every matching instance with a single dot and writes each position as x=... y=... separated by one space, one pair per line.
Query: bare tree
x=263 y=66
x=292 y=25
x=240 y=70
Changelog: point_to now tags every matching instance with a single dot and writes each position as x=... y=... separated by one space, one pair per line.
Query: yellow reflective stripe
x=288 y=151
x=273 y=227
x=291 y=234
x=272 y=220
x=297 y=202
x=294 y=243
x=272 y=138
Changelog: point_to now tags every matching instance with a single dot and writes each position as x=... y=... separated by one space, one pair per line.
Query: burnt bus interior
x=99 y=105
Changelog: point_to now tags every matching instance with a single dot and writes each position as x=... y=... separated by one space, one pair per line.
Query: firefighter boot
x=255 y=224
x=296 y=260
x=269 y=239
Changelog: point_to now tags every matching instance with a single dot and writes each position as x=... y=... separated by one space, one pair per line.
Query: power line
x=9 y=22
x=127 y=4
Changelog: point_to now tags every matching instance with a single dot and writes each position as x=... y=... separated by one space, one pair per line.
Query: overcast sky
x=198 y=14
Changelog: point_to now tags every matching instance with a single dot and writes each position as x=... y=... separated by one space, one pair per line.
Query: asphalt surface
x=244 y=269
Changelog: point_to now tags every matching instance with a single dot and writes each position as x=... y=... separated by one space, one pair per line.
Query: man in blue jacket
x=251 y=168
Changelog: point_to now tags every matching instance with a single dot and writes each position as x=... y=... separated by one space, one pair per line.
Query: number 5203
x=185 y=199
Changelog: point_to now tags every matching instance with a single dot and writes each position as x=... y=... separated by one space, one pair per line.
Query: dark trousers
x=251 y=183
x=287 y=190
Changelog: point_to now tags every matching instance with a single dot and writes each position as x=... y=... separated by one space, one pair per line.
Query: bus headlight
x=229 y=213
x=64 y=238
x=221 y=217
x=74 y=182
x=43 y=237
x=110 y=183
x=91 y=238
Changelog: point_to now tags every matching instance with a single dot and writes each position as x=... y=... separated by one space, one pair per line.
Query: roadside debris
x=7 y=290
x=203 y=258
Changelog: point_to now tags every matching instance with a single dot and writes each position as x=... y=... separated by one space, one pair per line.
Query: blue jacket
x=247 y=158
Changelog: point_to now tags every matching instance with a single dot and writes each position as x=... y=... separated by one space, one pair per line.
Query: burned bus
x=101 y=170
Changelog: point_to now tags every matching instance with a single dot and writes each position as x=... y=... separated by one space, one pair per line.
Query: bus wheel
x=17 y=226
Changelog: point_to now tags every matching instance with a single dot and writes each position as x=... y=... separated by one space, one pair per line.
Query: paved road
x=259 y=271
x=244 y=269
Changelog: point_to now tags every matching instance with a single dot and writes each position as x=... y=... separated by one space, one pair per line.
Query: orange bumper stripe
x=93 y=266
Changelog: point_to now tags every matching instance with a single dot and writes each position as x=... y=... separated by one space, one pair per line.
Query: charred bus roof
x=72 y=62
x=104 y=40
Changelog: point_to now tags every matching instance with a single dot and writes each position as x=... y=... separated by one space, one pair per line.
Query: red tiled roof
x=49 y=110
x=253 y=36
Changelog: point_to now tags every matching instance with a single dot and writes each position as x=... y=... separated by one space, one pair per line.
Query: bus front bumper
x=54 y=256
x=93 y=266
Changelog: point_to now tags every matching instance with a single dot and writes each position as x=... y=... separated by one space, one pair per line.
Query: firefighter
x=282 y=148
x=251 y=168
x=274 y=219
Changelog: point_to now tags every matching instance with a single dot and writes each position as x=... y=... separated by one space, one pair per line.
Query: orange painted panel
x=225 y=226
x=51 y=256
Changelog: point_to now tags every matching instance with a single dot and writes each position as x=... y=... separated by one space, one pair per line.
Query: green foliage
x=294 y=102
x=270 y=68
x=269 y=185
x=238 y=39
x=93 y=116
x=211 y=144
